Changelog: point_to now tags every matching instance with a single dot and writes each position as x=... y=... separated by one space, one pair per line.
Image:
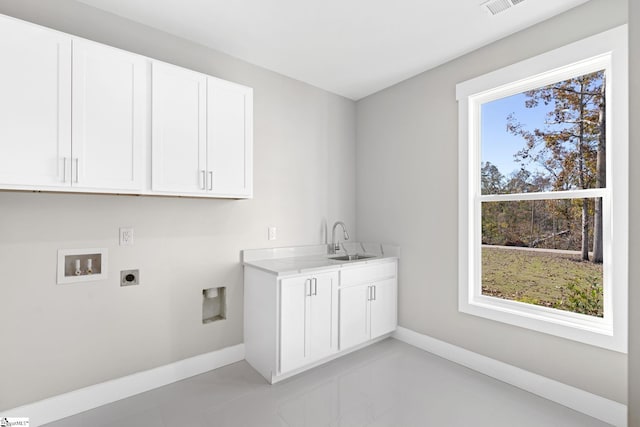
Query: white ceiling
x=349 y=47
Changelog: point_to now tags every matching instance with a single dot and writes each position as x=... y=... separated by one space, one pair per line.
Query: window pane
x=544 y=252
x=547 y=139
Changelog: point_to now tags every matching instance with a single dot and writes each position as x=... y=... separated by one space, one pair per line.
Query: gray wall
x=634 y=214
x=60 y=338
x=57 y=338
x=407 y=194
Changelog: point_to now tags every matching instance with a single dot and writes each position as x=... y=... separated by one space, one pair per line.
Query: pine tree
x=571 y=145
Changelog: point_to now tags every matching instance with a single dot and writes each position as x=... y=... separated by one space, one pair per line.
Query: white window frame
x=606 y=51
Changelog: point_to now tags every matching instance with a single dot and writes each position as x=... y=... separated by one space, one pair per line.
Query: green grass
x=554 y=280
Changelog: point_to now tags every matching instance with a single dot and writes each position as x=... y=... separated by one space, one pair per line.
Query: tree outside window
x=551 y=138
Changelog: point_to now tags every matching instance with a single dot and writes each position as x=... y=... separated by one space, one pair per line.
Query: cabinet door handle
x=305 y=288
x=210 y=180
x=375 y=293
x=315 y=286
x=64 y=169
x=203 y=179
x=76 y=180
x=368 y=293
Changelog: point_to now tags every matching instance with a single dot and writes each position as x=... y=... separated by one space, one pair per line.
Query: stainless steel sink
x=351 y=257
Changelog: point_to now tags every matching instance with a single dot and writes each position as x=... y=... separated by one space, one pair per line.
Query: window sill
x=590 y=330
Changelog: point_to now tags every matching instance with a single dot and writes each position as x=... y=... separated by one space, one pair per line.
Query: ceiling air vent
x=494 y=7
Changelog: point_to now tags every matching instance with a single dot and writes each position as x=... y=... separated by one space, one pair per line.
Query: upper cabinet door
x=109 y=117
x=35 y=105
x=230 y=139
x=179 y=103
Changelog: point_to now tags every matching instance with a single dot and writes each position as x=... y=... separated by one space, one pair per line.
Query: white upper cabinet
x=229 y=138
x=179 y=130
x=74 y=116
x=35 y=106
x=202 y=134
x=109 y=117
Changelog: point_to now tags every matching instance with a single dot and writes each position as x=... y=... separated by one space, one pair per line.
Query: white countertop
x=297 y=265
x=305 y=259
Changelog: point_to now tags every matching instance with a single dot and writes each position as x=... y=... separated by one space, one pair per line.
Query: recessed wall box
x=81 y=265
x=214 y=304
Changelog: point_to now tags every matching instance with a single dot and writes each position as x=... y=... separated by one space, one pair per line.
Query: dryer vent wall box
x=214 y=304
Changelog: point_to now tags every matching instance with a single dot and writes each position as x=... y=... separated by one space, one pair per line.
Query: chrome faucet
x=335 y=246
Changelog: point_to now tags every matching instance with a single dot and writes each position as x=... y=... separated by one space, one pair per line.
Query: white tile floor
x=387 y=384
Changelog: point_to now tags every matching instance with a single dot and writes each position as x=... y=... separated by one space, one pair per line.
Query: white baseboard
x=609 y=411
x=74 y=402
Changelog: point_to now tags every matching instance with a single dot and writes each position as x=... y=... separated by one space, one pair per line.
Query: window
x=543 y=181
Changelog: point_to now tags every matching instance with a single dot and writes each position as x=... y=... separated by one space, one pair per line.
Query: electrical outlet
x=126 y=236
x=272 y=233
x=129 y=277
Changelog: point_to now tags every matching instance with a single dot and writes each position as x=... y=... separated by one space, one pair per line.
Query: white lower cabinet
x=355 y=315
x=367 y=311
x=294 y=322
x=384 y=307
x=308 y=319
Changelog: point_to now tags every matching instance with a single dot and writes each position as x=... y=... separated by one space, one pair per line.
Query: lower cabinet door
x=308 y=319
x=294 y=319
x=323 y=316
x=354 y=316
x=384 y=316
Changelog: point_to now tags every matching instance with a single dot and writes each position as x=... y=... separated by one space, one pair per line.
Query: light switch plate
x=126 y=236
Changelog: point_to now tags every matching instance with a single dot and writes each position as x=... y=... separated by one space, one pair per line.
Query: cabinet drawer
x=368 y=273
